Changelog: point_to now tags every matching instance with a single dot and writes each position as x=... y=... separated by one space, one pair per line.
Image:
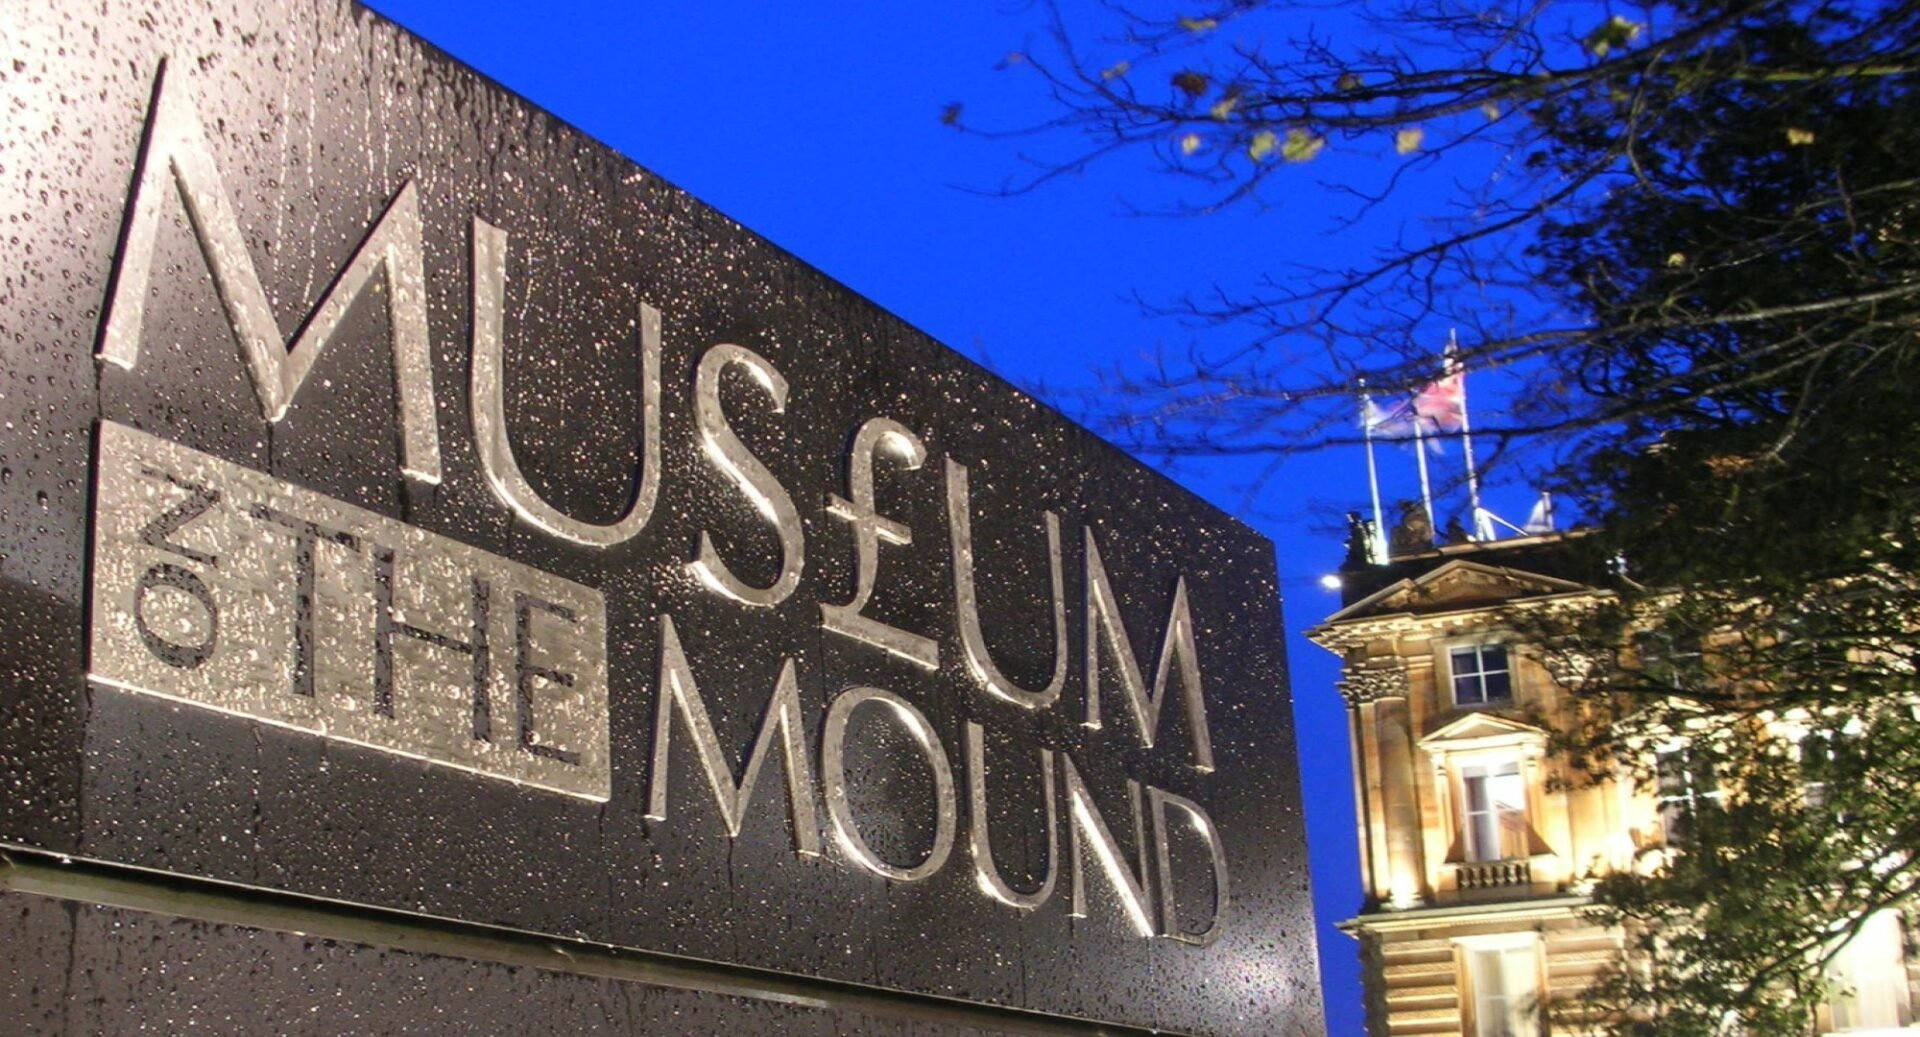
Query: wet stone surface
x=102 y=970
x=465 y=423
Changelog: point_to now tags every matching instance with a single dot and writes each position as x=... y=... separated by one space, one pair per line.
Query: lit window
x=1496 y=814
x=1480 y=675
x=1870 y=978
x=1687 y=787
x=1670 y=660
x=1824 y=757
x=1503 y=981
x=1816 y=765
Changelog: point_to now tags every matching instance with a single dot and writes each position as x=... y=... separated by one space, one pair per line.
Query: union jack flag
x=1436 y=407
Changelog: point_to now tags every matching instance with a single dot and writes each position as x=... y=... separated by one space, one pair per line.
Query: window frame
x=1478 y=646
x=1493 y=767
x=1486 y=738
x=1528 y=1012
x=1669 y=660
x=1820 y=752
x=1679 y=801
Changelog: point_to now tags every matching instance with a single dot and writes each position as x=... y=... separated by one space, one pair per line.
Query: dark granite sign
x=406 y=500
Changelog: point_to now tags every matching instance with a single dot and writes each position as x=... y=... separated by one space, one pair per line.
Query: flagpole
x=1426 y=487
x=1373 y=476
x=1482 y=526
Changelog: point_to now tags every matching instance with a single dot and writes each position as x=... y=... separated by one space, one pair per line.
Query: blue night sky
x=817 y=124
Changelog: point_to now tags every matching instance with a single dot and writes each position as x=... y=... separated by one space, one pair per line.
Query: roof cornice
x=1498 y=911
x=1336 y=634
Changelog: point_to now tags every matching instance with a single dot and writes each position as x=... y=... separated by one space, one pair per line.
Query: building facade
x=1477 y=838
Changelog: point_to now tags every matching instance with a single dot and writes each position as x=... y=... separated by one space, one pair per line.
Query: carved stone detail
x=1375 y=683
x=1570 y=668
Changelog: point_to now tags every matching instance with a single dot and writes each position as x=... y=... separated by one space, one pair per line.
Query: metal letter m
x=176 y=153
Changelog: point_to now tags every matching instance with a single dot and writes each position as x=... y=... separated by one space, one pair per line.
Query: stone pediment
x=1454 y=586
x=1482 y=730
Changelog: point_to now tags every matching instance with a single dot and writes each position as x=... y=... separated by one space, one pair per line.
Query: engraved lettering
x=490 y=437
x=164 y=525
x=869 y=528
x=177 y=155
x=677 y=691
x=833 y=771
x=174 y=653
x=314 y=594
x=526 y=672
x=1176 y=648
x=966 y=602
x=305 y=535
x=986 y=873
x=1202 y=825
x=1089 y=826
x=732 y=457
x=388 y=624
x=178 y=536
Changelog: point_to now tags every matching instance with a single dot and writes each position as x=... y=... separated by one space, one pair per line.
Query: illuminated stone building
x=1476 y=838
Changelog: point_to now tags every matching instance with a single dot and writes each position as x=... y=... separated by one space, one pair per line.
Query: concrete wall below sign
x=163 y=957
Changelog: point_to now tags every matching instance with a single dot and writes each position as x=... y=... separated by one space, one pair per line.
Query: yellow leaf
x=1262 y=145
x=1407 y=141
x=1347 y=81
x=1224 y=106
x=1677 y=259
x=1199 y=24
x=1618 y=31
x=1189 y=144
x=1116 y=70
x=1797 y=137
x=1302 y=146
x=1490 y=110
